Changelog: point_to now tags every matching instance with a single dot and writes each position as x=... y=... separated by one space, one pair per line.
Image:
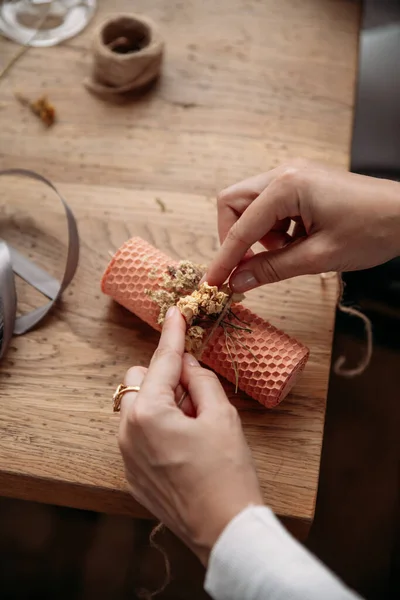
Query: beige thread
x=338 y=367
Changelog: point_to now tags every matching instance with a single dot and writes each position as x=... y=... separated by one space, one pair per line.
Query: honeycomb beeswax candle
x=268 y=361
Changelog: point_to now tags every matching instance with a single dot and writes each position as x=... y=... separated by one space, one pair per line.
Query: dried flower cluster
x=197 y=303
x=206 y=300
x=200 y=304
x=177 y=282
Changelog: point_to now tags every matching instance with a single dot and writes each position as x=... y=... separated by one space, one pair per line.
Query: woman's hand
x=343 y=222
x=195 y=473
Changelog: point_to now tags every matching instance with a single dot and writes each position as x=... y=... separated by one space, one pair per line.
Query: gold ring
x=120 y=391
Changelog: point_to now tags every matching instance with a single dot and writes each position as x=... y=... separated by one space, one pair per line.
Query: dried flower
x=194 y=339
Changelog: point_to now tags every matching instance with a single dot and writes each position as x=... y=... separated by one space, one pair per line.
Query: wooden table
x=245 y=86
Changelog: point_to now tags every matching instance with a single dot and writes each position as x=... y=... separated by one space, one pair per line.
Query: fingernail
x=191 y=360
x=170 y=312
x=243 y=281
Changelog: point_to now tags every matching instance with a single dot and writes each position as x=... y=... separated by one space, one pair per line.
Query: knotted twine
x=127 y=55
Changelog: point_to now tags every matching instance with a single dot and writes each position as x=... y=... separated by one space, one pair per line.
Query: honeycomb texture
x=137 y=266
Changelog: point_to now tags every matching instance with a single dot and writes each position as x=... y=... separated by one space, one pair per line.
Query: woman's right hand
x=343 y=222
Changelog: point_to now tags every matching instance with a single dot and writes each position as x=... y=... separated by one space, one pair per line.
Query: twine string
x=145 y=593
x=339 y=366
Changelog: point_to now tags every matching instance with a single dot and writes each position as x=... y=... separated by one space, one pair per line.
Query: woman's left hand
x=193 y=471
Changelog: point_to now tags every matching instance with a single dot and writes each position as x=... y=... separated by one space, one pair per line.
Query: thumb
x=203 y=385
x=301 y=257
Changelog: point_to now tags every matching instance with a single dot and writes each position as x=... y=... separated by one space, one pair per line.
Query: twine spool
x=127 y=55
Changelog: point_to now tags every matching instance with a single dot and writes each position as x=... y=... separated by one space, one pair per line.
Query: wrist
x=208 y=526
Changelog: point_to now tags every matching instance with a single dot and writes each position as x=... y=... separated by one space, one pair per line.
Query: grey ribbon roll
x=11 y=261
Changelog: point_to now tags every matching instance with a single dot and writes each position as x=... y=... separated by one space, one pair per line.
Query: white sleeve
x=255 y=558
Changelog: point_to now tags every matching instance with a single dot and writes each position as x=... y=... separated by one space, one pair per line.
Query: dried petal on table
x=40 y=107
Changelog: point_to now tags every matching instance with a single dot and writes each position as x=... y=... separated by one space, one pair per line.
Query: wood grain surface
x=245 y=86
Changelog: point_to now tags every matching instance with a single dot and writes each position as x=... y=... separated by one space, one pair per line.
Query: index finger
x=275 y=203
x=165 y=369
x=235 y=199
